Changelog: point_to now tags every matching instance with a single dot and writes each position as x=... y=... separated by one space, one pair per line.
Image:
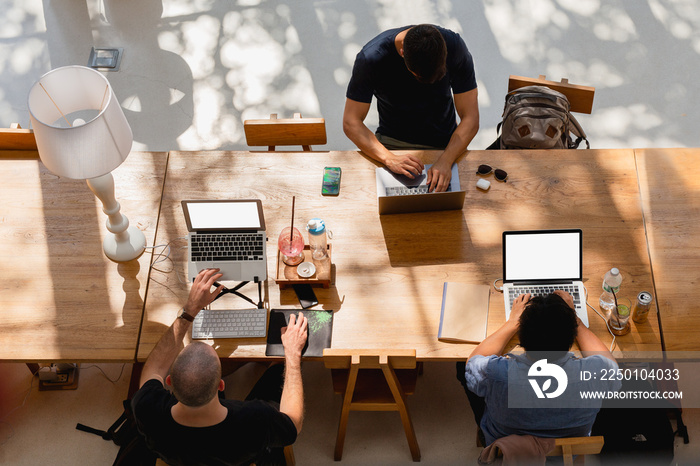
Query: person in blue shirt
x=421 y=75
x=539 y=392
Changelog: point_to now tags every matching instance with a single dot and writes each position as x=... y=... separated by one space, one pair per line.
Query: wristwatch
x=186 y=316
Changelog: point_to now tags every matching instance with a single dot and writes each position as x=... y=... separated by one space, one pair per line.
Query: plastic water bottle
x=317 y=238
x=611 y=283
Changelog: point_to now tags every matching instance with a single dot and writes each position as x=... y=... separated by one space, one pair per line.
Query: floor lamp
x=81 y=133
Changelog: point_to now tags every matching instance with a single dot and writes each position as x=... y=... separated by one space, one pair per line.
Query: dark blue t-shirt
x=409 y=110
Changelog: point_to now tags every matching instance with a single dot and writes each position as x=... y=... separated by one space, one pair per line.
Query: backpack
x=537 y=117
x=125 y=434
x=635 y=435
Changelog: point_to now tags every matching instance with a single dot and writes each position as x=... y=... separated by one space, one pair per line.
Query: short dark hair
x=195 y=375
x=547 y=324
x=425 y=53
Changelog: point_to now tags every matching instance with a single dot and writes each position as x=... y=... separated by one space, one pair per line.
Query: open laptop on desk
x=542 y=261
x=398 y=194
x=229 y=235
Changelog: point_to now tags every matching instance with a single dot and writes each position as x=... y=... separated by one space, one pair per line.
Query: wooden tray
x=287 y=274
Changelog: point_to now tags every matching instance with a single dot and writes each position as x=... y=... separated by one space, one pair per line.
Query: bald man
x=194 y=424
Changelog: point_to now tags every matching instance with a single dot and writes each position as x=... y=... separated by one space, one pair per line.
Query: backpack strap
x=577 y=130
x=109 y=433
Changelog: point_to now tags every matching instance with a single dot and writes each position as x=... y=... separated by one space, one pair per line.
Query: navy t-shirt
x=243 y=437
x=409 y=110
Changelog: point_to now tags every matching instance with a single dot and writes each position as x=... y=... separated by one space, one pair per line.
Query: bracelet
x=184 y=315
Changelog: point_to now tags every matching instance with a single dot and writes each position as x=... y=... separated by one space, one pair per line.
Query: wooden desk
x=390 y=269
x=61 y=298
x=670 y=190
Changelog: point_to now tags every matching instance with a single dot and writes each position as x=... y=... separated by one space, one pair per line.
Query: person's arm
x=497 y=341
x=365 y=140
x=440 y=173
x=588 y=342
x=170 y=344
x=293 y=340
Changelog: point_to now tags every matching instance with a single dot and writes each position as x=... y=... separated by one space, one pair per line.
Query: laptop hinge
x=540 y=282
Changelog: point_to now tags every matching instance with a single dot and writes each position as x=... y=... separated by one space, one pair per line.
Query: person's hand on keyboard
x=201 y=294
x=568 y=299
x=439 y=177
x=294 y=337
x=519 y=304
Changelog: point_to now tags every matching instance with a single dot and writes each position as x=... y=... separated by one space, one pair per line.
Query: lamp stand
x=126 y=242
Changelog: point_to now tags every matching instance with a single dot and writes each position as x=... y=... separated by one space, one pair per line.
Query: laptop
x=399 y=194
x=229 y=235
x=542 y=261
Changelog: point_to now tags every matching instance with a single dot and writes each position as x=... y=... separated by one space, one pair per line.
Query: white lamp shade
x=67 y=96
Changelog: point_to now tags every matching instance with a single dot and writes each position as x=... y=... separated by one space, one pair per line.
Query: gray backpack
x=537 y=117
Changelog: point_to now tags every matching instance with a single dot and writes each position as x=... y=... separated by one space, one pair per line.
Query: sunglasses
x=500 y=175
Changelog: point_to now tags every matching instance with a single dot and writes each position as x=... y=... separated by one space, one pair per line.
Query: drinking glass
x=620 y=316
x=291 y=246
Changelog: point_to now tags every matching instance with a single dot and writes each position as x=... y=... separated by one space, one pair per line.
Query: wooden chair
x=575 y=446
x=295 y=131
x=580 y=97
x=373 y=380
x=16 y=142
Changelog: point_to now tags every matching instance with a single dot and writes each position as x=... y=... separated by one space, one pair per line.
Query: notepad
x=464 y=313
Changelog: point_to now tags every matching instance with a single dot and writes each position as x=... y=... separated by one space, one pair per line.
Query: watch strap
x=184 y=315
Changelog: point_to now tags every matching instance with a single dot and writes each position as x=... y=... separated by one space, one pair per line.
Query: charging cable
x=498 y=288
x=607 y=324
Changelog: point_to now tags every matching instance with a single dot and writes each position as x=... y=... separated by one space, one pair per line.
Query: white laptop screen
x=542 y=255
x=221 y=215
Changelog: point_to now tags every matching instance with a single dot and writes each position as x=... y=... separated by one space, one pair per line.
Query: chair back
x=573 y=446
x=16 y=142
x=295 y=131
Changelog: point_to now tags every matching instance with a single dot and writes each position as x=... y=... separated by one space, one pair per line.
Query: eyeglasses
x=500 y=175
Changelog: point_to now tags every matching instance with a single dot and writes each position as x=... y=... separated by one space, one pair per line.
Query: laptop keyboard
x=408 y=190
x=230 y=323
x=227 y=247
x=543 y=290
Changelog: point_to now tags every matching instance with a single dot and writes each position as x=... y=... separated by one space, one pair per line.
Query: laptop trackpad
x=231 y=271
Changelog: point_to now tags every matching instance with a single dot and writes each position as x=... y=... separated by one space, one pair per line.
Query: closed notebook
x=464 y=313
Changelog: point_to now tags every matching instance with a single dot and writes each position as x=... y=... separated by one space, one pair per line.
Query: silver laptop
x=542 y=261
x=398 y=194
x=229 y=235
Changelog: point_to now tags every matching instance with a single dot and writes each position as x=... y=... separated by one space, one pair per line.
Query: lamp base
x=129 y=248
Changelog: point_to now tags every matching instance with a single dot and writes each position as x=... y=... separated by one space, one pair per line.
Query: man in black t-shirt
x=193 y=425
x=420 y=76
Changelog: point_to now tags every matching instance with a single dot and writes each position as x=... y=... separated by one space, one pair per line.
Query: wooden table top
x=62 y=299
x=390 y=269
x=670 y=192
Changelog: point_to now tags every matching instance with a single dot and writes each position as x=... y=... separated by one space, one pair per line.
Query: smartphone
x=331 y=181
x=306 y=295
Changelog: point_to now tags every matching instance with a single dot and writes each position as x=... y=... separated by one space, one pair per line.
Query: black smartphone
x=331 y=181
x=306 y=295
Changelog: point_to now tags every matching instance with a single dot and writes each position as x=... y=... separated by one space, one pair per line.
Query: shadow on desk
x=426 y=238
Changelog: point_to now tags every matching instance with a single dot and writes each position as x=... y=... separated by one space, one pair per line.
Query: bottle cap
x=316 y=226
x=614 y=271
